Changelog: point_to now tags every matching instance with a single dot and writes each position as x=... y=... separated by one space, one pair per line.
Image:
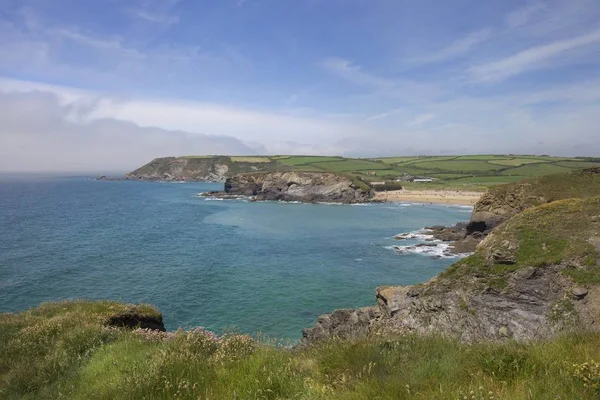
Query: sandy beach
x=458 y=197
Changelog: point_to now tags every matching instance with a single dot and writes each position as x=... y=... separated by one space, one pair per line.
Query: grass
x=514 y=162
x=488 y=180
x=460 y=166
x=553 y=234
x=351 y=165
x=63 y=351
x=579 y=164
x=468 y=172
x=251 y=159
x=303 y=160
x=549 y=188
x=381 y=172
x=536 y=170
x=397 y=160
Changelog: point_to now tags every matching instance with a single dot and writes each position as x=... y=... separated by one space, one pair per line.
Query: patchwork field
x=472 y=172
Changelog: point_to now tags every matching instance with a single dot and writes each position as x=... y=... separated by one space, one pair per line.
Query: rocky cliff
x=310 y=187
x=212 y=169
x=502 y=202
x=534 y=276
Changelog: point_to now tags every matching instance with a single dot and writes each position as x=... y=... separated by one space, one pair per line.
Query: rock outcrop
x=533 y=277
x=134 y=317
x=502 y=202
x=210 y=169
x=309 y=187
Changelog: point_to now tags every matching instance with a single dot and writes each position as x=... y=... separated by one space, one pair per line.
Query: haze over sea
x=268 y=267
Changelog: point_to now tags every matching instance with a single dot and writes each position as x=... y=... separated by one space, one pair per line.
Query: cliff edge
x=535 y=275
x=213 y=169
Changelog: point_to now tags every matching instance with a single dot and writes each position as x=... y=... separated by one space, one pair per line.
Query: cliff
x=307 y=187
x=183 y=169
x=533 y=277
x=500 y=203
x=535 y=273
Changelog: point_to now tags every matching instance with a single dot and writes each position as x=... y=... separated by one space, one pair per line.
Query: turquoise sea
x=256 y=267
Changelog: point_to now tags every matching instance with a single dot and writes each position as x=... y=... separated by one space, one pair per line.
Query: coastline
x=451 y=197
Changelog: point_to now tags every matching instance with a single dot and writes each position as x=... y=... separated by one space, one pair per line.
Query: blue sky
x=348 y=77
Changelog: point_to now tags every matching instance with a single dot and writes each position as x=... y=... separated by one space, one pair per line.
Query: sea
x=267 y=268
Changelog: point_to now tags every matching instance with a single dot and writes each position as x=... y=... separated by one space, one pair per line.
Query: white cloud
x=38 y=134
x=403 y=89
x=421 y=120
x=530 y=59
x=458 y=47
x=383 y=115
x=154 y=17
x=173 y=126
x=355 y=74
x=523 y=15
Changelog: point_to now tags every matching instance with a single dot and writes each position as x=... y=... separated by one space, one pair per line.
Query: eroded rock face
x=495 y=207
x=182 y=169
x=310 y=187
x=344 y=324
x=531 y=304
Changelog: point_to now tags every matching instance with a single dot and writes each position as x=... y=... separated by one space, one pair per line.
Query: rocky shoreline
x=306 y=187
x=522 y=283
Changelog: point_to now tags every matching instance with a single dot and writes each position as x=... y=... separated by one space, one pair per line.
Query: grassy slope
x=63 y=350
x=564 y=232
x=543 y=189
x=476 y=172
x=561 y=214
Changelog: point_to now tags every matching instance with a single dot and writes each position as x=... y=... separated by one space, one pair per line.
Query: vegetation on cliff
x=562 y=233
x=67 y=350
x=475 y=172
x=535 y=276
x=502 y=202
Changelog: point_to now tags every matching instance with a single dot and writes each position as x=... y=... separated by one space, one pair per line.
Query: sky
x=110 y=84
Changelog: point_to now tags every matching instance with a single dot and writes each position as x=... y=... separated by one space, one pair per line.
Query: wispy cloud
x=404 y=89
x=458 y=47
x=523 y=15
x=530 y=59
x=240 y=3
x=158 y=18
x=420 y=120
x=355 y=74
x=383 y=115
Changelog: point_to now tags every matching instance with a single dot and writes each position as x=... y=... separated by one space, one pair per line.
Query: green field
x=469 y=172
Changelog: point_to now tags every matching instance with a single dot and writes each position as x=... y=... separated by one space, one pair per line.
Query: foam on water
x=426 y=245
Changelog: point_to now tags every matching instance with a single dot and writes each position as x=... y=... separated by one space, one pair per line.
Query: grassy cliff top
x=472 y=172
x=564 y=232
x=543 y=189
x=65 y=351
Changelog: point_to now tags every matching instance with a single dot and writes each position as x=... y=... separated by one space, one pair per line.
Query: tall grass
x=64 y=350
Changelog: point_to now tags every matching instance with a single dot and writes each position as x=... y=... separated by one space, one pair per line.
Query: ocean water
x=251 y=266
